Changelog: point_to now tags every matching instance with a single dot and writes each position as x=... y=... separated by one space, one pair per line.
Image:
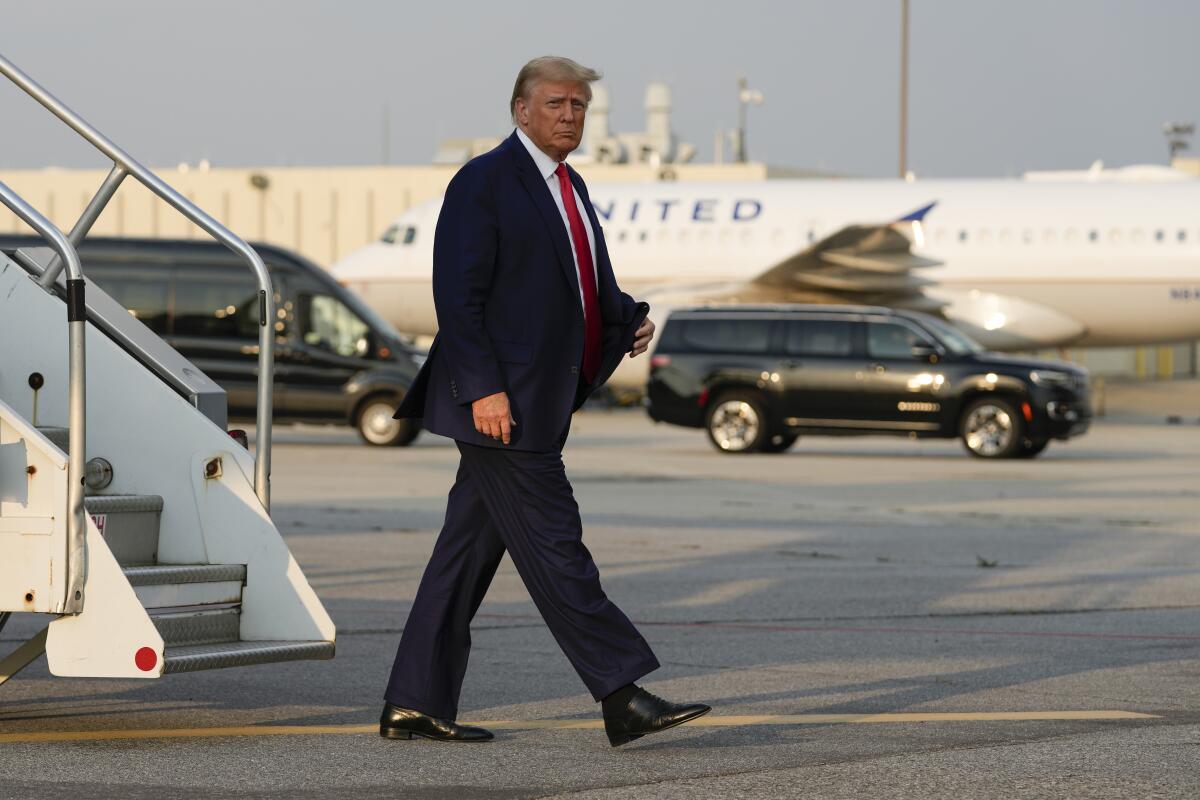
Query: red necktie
x=592 y=338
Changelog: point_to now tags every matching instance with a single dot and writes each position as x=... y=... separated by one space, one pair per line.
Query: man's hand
x=641 y=339
x=493 y=417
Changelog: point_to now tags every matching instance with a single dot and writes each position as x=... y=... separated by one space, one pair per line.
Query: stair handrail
x=125 y=165
x=76 y=555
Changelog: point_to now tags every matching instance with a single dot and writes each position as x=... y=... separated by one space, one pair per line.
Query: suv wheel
x=736 y=423
x=376 y=426
x=992 y=427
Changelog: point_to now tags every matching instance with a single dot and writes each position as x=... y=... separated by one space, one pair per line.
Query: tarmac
x=869 y=617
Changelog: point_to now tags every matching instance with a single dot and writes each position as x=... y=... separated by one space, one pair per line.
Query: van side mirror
x=924 y=352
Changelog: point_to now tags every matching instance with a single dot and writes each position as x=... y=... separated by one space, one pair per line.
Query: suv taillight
x=660 y=361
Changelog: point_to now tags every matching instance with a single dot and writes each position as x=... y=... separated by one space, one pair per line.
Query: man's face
x=553 y=116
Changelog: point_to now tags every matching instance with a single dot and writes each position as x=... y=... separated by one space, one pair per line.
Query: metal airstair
x=127 y=510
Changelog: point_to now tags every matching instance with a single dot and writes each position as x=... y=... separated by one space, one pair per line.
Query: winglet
x=919 y=214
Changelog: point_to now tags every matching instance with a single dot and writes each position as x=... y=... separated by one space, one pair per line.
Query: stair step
x=60 y=436
x=129 y=524
x=240 y=654
x=198 y=626
x=169 y=585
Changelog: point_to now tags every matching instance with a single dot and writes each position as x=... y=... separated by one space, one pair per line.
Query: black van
x=756 y=378
x=336 y=361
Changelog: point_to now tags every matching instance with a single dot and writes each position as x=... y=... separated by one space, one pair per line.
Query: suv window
x=216 y=303
x=820 y=337
x=892 y=340
x=728 y=335
x=328 y=323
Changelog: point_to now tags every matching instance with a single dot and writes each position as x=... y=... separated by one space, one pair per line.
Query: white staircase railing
x=125 y=165
x=76 y=555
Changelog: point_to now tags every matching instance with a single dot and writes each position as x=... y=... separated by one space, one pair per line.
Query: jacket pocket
x=512 y=352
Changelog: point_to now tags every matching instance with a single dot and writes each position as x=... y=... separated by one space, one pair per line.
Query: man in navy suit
x=531 y=322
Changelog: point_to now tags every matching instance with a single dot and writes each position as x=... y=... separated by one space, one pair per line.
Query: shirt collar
x=544 y=163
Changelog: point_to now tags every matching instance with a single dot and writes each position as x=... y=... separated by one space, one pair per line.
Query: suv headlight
x=1048 y=377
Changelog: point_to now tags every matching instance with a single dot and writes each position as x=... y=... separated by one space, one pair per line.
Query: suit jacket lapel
x=542 y=199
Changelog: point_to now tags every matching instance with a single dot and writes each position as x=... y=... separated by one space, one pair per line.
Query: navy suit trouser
x=522 y=503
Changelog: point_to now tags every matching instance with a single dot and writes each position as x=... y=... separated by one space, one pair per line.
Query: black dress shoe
x=404 y=723
x=646 y=713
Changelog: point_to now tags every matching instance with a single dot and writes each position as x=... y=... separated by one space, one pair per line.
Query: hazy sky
x=996 y=87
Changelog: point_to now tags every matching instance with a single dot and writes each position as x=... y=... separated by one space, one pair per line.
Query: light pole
x=1178 y=134
x=746 y=96
x=903 y=89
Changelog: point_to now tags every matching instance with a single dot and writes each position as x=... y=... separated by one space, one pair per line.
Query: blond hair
x=550 y=68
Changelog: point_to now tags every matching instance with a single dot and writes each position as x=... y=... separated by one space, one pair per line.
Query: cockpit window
x=405 y=234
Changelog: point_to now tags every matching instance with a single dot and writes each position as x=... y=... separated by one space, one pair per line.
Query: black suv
x=336 y=361
x=758 y=377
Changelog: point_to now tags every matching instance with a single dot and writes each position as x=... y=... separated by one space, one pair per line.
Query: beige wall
x=322 y=212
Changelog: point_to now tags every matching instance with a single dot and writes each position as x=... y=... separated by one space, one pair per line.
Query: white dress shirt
x=546 y=166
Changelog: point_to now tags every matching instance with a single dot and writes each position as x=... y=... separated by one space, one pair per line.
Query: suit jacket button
x=574 y=370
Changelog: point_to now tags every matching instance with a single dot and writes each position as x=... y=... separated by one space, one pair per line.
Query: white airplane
x=1018 y=264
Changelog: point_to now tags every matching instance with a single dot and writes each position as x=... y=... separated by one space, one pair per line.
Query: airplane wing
x=870 y=264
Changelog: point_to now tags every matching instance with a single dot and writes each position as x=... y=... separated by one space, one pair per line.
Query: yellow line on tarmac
x=575 y=724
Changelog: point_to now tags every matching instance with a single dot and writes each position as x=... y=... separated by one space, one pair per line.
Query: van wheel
x=376 y=426
x=780 y=442
x=736 y=423
x=991 y=427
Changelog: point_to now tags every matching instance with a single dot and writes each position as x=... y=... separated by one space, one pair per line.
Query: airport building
x=325 y=213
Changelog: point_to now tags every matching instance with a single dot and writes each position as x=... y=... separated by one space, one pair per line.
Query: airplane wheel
x=1031 y=448
x=780 y=442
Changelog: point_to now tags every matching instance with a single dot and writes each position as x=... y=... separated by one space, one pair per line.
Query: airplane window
x=1181 y=236
x=1093 y=236
x=812 y=236
x=1114 y=235
x=410 y=235
x=1071 y=235
x=389 y=236
x=1137 y=235
x=1158 y=236
x=1027 y=236
x=985 y=236
x=621 y=235
x=962 y=235
x=642 y=236
x=1005 y=236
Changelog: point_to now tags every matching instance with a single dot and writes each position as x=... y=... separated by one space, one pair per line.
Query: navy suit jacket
x=508 y=309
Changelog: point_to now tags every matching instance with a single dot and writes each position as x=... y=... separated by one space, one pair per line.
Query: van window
x=216 y=303
x=820 y=337
x=327 y=323
x=728 y=335
x=890 y=340
x=142 y=291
